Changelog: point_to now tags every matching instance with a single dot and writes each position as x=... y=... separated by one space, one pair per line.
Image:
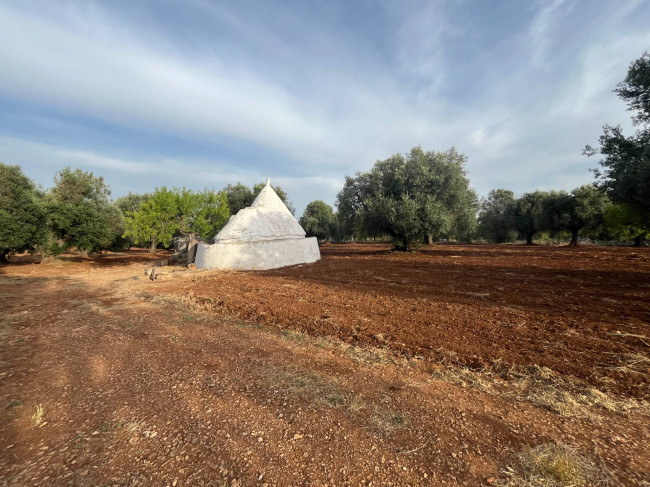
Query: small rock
x=298 y=437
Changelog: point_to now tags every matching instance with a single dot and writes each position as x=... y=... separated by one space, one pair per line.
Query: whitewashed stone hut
x=263 y=236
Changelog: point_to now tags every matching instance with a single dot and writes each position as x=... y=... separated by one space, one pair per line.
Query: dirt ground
x=367 y=368
x=572 y=310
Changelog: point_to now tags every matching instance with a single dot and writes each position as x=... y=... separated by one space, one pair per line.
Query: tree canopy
x=529 y=214
x=625 y=173
x=80 y=213
x=318 y=220
x=156 y=221
x=635 y=89
x=241 y=196
x=22 y=215
x=202 y=213
x=497 y=216
x=410 y=196
x=168 y=212
x=584 y=207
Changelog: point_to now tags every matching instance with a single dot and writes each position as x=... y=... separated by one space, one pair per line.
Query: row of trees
x=78 y=212
x=420 y=197
x=505 y=218
x=75 y=212
x=426 y=194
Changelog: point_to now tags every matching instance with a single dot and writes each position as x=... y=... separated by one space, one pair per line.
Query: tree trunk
x=638 y=240
x=152 y=246
x=403 y=245
x=430 y=238
x=574 y=238
x=83 y=253
x=529 y=239
x=192 y=244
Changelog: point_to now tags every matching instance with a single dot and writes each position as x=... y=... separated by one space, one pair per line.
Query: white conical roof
x=268 y=218
x=270 y=200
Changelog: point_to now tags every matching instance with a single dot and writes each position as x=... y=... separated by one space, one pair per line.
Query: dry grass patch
x=544 y=388
x=632 y=363
x=555 y=465
x=313 y=386
x=5 y=328
x=386 y=421
x=294 y=335
x=38 y=416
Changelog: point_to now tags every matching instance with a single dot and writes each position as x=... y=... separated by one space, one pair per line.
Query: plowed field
x=440 y=367
x=583 y=312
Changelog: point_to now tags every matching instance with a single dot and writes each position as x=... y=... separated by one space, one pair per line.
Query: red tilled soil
x=583 y=312
x=140 y=387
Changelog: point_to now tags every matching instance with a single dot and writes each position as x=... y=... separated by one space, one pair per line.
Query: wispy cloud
x=545 y=28
x=310 y=93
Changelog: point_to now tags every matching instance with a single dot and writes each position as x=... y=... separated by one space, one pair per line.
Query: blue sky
x=203 y=93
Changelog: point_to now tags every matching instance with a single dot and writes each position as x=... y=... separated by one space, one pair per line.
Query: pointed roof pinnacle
x=268 y=218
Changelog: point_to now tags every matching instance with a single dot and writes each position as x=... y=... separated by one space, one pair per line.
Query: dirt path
x=143 y=387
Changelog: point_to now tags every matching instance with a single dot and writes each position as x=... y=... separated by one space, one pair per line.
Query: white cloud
x=326 y=116
x=544 y=24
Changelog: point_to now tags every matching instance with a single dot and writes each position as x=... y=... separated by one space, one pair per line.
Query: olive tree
x=22 y=216
x=318 y=220
x=410 y=197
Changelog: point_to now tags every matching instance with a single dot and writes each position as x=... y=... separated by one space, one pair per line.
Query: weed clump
x=37 y=417
x=555 y=465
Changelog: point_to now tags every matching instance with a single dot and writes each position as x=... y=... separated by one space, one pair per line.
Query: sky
x=203 y=93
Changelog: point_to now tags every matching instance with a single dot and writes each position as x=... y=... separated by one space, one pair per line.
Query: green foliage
x=131 y=202
x=635 y=89
x=168 y=212
x=239 y=196
x=80 y=213
x=318 y=220
x=22 y=216
x=625 y=173
x=349 y=202
x=584 y=207
x=203 y=213
x=127 y=204
x=623 y=223
x=409 y=196
x=497 y=220
x=156 y=221
x=400 y=218
x=529 y=214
